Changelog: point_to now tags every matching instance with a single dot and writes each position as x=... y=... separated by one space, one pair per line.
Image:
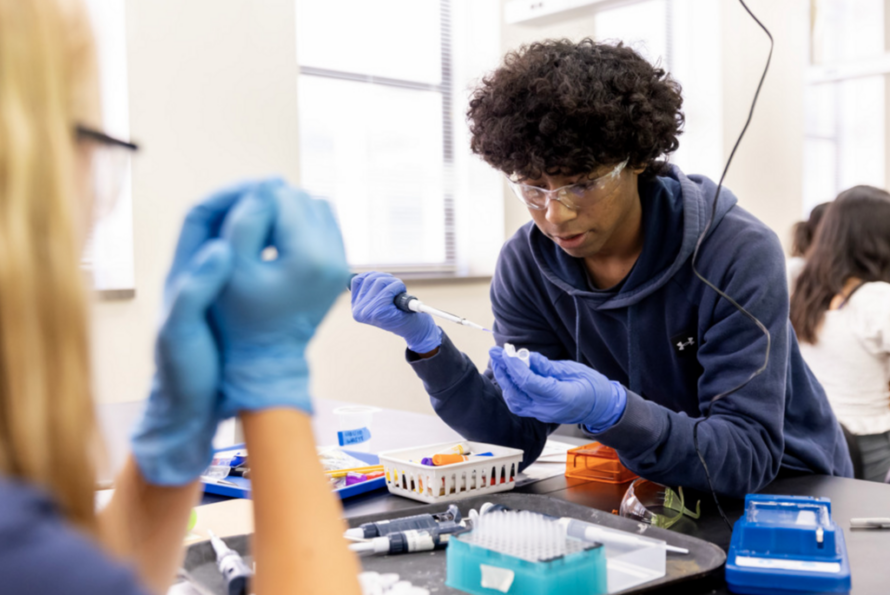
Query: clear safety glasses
x=573 y=196
x=109 y=162
x=644 y=497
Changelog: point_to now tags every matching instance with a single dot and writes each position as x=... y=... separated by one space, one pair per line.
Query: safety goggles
x=644 y=498
x=109 y=162
x=573 y=196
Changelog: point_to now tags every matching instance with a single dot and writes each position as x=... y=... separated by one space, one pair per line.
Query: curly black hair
x=558 y=107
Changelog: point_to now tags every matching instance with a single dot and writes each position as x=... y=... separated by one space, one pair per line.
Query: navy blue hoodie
x=669 y=339
x=40 y=554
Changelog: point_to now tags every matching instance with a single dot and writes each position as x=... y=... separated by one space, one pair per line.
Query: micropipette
x=405 y=542
x=231 y=565
x=416 y=522
x=408 y=303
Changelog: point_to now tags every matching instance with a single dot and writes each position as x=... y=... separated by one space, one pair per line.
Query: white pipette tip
x=466 y=322
x=354 y=533
x=418 y=306
x=362 y=547
x=377 y=545
x=219 y=546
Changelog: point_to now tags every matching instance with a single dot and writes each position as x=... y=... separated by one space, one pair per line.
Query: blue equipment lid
x=787 y=544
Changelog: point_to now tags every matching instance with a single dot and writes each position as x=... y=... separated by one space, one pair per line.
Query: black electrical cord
x=740 y=308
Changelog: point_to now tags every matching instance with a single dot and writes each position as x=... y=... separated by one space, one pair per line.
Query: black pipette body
x=410 y=523
x=401 y=301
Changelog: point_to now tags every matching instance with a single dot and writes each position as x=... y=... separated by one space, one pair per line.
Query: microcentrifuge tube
x=521 y=354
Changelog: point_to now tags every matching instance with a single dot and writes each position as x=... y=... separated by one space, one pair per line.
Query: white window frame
x=819 y=72
x=473 y=201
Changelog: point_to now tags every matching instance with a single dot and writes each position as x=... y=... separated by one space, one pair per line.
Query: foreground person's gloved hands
x=270 y=309
x=173 y=442
x=562 y=392
x=372 y=303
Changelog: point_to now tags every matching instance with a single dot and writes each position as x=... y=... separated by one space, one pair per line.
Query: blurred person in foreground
x=840 y=309
x=626 y=341
x=803 y=234
x=51 y=540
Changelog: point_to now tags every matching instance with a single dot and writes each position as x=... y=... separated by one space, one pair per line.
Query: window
x=844 y=99
x=382 y=97
x=681 y=36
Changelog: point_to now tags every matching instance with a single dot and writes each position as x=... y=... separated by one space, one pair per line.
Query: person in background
x=803 y=234
x=264 y=313
x=840 y=309
x=626 y=340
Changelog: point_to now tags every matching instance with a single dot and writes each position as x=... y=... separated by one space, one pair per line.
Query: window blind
x=376 y=106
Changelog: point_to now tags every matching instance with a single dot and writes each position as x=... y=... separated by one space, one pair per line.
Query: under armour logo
x=684 y=343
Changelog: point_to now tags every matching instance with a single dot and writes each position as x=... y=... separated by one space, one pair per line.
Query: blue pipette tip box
x=787 y=545
x=580 y=573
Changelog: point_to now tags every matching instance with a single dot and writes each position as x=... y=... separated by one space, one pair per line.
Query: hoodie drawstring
x=633 y=352
x=577 y=329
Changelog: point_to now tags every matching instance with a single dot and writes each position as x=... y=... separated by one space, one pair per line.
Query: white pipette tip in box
x=521 y=354
x=512 y=548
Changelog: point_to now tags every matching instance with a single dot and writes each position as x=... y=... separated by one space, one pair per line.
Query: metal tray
x=427 y=569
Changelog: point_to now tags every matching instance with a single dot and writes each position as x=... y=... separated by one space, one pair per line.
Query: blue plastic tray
x=242 y=487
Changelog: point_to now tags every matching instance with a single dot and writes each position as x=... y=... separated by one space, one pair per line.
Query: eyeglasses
x=109 y=167
x=574 y=196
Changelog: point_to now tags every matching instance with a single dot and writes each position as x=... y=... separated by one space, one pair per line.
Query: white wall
x=767 y=171
x=212 y=95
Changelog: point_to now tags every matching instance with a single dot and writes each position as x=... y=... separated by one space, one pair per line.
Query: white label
x=419 y=541
x=499 y=579
x=780 y=564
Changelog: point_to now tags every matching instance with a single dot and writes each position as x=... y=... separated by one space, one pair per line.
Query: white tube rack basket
x=405 y=476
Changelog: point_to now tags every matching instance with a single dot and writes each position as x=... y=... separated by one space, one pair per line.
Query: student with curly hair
x=626 y=340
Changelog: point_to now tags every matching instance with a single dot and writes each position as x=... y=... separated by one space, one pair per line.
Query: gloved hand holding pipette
x=562 y=392
x=373 y=296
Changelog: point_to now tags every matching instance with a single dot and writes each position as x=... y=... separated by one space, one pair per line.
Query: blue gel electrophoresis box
x=787 y=545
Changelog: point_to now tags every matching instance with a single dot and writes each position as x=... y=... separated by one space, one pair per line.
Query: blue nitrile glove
x=563 y=392
x=270 y=309
x=372 y=303
x=173 y=443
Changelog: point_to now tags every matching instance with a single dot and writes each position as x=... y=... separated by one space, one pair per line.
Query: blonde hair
x=48 y=83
